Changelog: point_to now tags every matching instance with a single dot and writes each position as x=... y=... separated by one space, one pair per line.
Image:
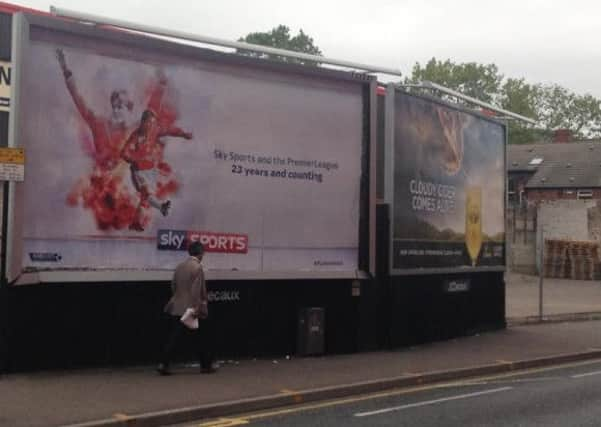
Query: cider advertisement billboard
x=447 y=186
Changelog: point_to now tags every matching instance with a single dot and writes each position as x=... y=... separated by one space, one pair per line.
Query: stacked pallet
x=555 y=256
x=570 y=259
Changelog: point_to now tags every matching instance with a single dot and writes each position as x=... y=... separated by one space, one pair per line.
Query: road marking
x=296 y=396
x=121 y=417
x=432 y=402
x=224 y=422
x=521 y=372
x=360 y=398
x=588 y=374
x=515 y=380
x=466 y=382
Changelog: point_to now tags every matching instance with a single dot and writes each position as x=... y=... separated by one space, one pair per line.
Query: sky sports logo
x=178 y=240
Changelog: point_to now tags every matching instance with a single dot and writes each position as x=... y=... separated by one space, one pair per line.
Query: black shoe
x=163 y=370
x=165 y=208
x=136 y=226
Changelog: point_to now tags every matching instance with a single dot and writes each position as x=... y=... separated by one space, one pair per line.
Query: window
x=584 y=194
x=510 y=186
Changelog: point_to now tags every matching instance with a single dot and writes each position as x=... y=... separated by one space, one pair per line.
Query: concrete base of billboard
x=122 y=323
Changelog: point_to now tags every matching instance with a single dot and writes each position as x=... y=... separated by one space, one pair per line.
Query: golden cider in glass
x=473 y=222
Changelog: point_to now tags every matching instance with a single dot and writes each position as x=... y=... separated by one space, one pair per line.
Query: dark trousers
x=202 y=340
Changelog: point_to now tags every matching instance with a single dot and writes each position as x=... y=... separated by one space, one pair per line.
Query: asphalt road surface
x=568 y=395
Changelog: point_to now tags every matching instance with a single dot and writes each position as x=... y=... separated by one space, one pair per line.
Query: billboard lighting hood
x=101 y=20
x=434 y=86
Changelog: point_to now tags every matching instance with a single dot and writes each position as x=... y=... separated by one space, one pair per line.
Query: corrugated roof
x=567 y=165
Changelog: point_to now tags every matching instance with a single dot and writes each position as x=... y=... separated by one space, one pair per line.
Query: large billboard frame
x=22 y=27
x=389 y=162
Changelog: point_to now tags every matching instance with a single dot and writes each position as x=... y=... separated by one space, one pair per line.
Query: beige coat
x=188 y=287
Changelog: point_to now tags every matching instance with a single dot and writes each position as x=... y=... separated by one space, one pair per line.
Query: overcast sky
x=544 y=41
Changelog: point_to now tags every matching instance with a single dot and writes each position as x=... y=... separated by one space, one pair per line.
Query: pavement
x=563 y=299
x=138 y=397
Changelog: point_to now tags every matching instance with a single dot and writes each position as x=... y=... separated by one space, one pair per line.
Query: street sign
x=12 y=164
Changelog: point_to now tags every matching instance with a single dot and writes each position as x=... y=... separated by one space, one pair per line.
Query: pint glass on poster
x=473 y=222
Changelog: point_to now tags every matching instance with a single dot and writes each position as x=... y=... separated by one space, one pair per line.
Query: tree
x=552 y=106
x=522 y=98
x=562 y=109
x=476 y=80
x=280 y=38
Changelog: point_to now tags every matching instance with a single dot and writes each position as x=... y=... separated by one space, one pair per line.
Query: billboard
x=137 y=149
x=447 y=187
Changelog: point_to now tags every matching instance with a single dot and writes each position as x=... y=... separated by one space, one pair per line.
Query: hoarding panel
x=448 y=188
x=262 y=166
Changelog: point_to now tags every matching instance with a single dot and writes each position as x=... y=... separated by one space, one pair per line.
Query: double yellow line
x=246 y=419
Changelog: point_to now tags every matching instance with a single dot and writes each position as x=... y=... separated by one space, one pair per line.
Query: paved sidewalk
x=123 y=396
x=560 y=296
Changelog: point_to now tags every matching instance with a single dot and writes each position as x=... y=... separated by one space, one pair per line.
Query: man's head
x=196 y=249
x=120 y=105
x=147 y=120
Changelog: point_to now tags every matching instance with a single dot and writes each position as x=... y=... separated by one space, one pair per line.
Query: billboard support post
x=5 y=55
x=431 y=85
x=541 y=274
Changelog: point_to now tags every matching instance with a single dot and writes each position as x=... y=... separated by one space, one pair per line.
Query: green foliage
x=472 y=79
x=522 y=98
x=280 y=38
x=560 y=108
x=553 y=106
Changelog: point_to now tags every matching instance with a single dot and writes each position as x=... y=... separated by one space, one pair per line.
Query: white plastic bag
x=189 y=319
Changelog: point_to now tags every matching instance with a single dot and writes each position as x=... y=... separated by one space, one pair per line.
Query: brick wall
x=564 y=219
x=521 y=257
x=594 y=221
x=521 y=239
x=561 y=218
x=535 y=196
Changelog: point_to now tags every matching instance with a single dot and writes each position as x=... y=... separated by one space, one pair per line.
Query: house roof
x=567 y=165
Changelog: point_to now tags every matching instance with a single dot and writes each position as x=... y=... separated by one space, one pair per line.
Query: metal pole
x=4 y=305
x=514 y=212
x=101 y=20
x=431 y=85
x=541 y=274
x=525 y=229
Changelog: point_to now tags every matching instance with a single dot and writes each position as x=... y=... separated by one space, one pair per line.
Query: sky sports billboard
x=135 y=151
x=447 y=187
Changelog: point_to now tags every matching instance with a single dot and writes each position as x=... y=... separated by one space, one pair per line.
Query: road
x=568 y=395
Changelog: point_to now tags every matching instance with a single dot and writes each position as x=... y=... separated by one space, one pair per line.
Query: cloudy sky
x=541 y=40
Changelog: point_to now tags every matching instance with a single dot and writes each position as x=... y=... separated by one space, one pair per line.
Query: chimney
x=562 y=135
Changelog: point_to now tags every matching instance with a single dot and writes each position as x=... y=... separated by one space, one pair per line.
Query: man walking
x=188 y=290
